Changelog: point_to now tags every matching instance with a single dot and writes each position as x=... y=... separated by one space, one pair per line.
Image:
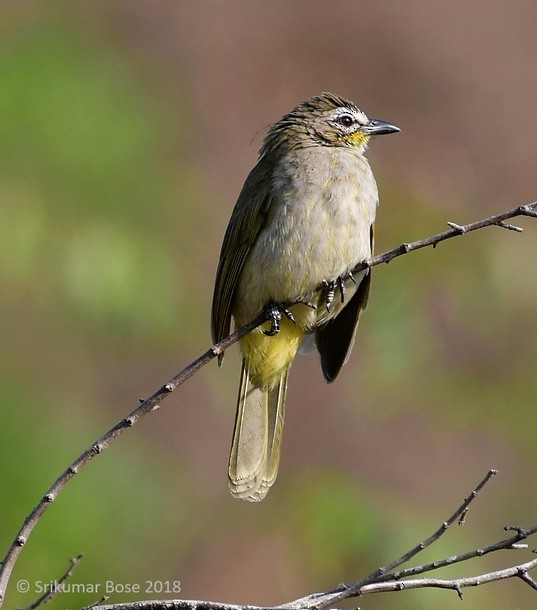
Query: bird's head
x=325 y=120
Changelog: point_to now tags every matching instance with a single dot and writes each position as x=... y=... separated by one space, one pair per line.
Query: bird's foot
x=329 y=288
x=274 y=316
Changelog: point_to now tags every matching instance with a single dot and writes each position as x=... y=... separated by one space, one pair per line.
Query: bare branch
x=148 y=405
x=154 y=400
x=511 y=543
x=519 y=571
x=52 y=591
x=344 y=591
x=456 y=584
x=455 y=231
x=178 y=604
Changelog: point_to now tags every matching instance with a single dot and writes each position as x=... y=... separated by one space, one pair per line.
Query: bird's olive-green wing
x=246 y=222
x=335 y=339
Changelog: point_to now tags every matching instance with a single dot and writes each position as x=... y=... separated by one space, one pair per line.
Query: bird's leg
x=274 y=316
x=329 y=289
x=341 y=286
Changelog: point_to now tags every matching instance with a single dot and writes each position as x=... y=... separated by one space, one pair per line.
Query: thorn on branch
x=462 y=518
x=460 y=229
x=216 y=350
x=506 y=225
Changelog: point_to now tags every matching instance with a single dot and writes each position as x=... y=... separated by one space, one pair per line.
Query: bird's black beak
x=376 y=127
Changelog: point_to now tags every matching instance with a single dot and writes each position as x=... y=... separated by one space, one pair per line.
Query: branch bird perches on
x=153 y=402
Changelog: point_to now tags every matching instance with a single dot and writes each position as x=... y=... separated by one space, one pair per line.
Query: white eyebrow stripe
x=360 y=116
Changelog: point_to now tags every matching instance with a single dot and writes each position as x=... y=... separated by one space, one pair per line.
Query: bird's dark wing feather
x=334 y=340
x=246 y=222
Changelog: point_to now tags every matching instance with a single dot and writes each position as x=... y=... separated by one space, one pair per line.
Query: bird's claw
x=274 y=316
x=329 y=288
x=341 y=286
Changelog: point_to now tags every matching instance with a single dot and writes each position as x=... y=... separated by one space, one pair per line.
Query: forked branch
x=384 y=579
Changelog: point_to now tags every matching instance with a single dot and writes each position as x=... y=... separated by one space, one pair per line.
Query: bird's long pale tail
x=255 y=452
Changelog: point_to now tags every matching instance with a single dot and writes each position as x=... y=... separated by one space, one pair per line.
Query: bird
x=303 y=221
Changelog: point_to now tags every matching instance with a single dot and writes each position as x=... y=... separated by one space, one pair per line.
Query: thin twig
x=511 y=543
x=53 y=590
x=345 y=591
x=456 y=231
x=97 y=603
x=178 y=604
x=520 y=571
x=163 y=392
x=456 y=584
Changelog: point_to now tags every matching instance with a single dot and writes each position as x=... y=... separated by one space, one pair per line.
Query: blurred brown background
x=126 y=131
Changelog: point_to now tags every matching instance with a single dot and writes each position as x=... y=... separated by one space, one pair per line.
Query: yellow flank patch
x=268 y=357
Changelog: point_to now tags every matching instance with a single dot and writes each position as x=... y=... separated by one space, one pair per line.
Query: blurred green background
x=126 y=131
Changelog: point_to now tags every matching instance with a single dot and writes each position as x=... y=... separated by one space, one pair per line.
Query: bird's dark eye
x=345 y=120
